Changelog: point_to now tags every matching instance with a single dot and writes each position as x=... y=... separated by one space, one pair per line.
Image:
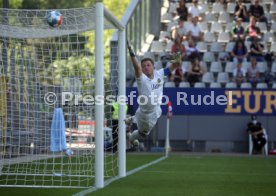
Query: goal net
x=53 y=133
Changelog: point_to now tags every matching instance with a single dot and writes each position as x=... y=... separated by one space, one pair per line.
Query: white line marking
x=107 y=182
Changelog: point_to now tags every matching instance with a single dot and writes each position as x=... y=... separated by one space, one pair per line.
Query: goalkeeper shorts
x=146 y=121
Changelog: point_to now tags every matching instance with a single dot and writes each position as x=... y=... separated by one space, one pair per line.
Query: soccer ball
x=54 y=18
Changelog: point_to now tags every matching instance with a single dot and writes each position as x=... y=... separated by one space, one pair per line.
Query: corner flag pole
x=167 y=142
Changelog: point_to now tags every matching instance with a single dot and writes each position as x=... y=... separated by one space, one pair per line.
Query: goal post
x=99 y=90
x=100 y=13
x=52 y=68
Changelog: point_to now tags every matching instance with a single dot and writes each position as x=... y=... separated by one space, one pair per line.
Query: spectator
x=255 y=129
x=239 y=74
x=257 y=11
x=237 y=31
x=239 y=52
x=115 y=117
x=252 y=30
x=178 y=47
x=196 y=11
x=257 y=50
x=253 y=72
x=177 y=76
x=195 y=73
x=191 y=50
x=241 y=11
x=179 y=30
x=182 y=10
x=194 y=31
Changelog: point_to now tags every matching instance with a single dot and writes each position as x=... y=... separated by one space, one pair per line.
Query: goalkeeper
x=149 y=84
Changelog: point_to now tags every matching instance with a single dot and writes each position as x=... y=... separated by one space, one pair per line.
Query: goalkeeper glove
x=176 y=57
x=130 y=50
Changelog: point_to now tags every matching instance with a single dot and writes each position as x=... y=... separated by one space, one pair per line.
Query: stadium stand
x=215 y=49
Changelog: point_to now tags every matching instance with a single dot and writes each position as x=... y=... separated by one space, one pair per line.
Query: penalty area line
x=109 y=181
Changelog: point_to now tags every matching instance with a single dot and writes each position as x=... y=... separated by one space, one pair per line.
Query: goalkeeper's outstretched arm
x=136 y=65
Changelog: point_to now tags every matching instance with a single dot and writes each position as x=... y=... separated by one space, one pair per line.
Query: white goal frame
x=102 y=13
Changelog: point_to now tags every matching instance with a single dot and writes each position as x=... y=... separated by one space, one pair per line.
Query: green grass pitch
x=184 y=174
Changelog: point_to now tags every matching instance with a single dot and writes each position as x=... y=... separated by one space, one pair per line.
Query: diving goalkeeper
x=150 y=85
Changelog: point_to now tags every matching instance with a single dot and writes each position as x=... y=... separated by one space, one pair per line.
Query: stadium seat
x=157 y=47
x=262 y=26
x=203 y=26
x=231 y=85
x=166 y=3
x=169 y=46
x=262 y=66
x=163 y=35
x=268 y=37
x=247 y=5
x=231 y=8
x=223 y=56
x=223 y=77
x=186 y=65
x=247 y=44
x=201 y=46
x=262 y=85
x=269 y=17
x=273 y=47
x=203 y=66
x=169 y=84
x=209 y=37
x=164 y=10
x=210 y=17
x=172 y=25
x=272 y=8
x=208 y=57
x=216 y=67
x=273 y=67
x=149 y=55
x=230 y=66
x=184 y=85
x=224 y=37
x=215 y=85
x=204 y=7
x=245 y=25
x=216 y=27
x=172 y=8
x=273 y=27
x=166 y=18
x=208 y=77
x=158 y=65
x=185 y=43
x=216 y=47
x=199 y=85
x=229 y=46
x=265 y=148
x=246 y=85
x=228 y=27
x=266 y=2
x=224 y=17
x=217 y=8
x=265 y=8
x=246 y=65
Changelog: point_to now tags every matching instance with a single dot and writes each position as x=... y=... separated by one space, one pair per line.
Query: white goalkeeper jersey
x=152 y=90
